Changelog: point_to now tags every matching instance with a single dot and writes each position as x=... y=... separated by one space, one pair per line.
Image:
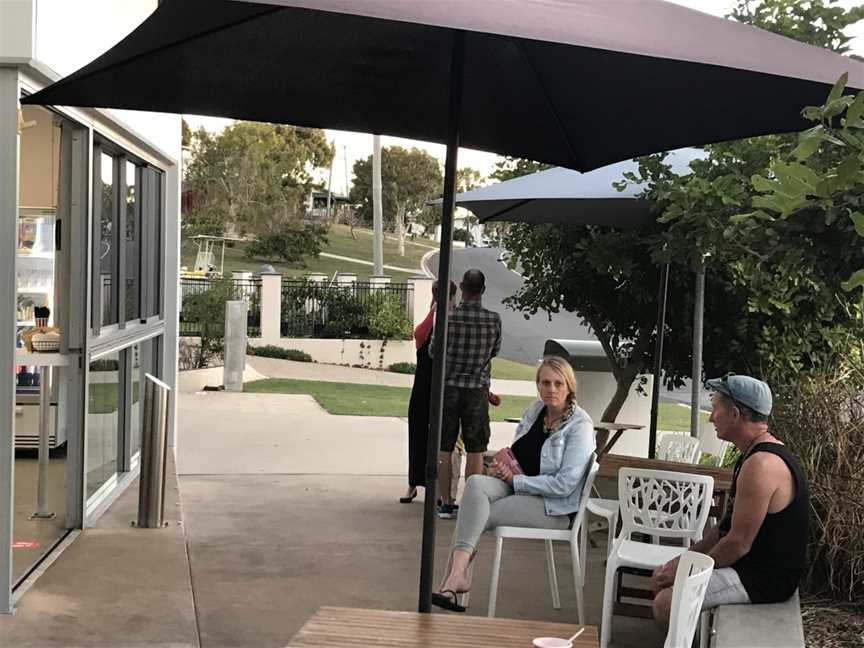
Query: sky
x=66 y=41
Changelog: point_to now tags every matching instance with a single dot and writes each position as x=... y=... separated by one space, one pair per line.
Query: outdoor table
x=46 y=363
x=610 y=464
x=339 y=626
x=602 y=426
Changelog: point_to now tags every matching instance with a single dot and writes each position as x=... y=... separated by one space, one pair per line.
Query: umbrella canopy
x=578 y=84
x=560 y=195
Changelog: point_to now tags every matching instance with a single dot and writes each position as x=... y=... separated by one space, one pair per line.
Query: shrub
x=207 y=310
x=387 y=318
x=403 y=367
x=271 y=351
x=105 y=364
x=821 y=418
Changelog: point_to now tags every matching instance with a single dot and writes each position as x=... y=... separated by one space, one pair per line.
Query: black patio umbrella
x=577 y=84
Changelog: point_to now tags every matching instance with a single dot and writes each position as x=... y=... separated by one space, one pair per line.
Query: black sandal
x=409 y=498
x=447 y=599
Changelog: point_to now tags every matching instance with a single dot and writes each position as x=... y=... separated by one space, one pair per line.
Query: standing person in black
x=418 y=406
x=760 y=546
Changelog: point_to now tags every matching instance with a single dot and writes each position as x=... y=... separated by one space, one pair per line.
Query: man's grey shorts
x=724 y=588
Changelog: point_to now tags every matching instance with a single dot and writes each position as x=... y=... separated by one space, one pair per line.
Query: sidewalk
x=275 y=368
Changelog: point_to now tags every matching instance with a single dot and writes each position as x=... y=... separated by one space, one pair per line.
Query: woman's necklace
x=549 y=423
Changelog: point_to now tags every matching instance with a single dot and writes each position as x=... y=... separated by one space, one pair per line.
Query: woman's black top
x=771 y=570
x=528 y=447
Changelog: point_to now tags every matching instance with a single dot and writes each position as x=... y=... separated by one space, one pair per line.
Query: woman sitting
x=553 y=446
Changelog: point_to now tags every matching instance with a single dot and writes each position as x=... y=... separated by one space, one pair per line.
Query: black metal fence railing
x=357 y=310
x=248 y=290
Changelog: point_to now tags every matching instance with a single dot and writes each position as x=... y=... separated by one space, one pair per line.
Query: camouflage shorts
x=467 y=408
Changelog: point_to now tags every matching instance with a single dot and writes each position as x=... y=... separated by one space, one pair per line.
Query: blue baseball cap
x=744 y=390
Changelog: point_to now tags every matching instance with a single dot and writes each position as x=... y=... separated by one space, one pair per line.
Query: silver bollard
x=154 y=452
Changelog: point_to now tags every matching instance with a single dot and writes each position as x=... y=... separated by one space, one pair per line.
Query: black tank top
x=771 y=570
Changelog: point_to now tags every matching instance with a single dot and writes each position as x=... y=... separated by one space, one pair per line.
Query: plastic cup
x=552 y=642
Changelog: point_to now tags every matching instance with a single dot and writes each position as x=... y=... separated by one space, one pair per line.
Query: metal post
x=696 y=371
x=427 y=566
x=658 y=358
x=154 y=451
x=45 y=381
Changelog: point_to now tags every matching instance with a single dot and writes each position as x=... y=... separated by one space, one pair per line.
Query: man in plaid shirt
x=473 y=339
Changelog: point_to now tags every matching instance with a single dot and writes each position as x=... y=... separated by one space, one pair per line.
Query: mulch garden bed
x=832 y=624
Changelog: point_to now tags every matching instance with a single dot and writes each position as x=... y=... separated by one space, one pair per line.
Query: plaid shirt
x=473 y=339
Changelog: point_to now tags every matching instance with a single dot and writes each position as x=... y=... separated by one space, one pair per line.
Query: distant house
x=316 y=205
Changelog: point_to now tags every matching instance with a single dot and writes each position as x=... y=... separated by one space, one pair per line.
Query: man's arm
x=496 y=347
x=757 y=483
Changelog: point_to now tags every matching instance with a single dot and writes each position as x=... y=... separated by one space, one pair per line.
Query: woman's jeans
x=489 y=502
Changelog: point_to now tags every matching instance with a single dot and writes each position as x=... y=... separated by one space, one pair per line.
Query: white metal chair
x=688 y=592
x=661 y=504
x=679 y=447
x=673 y=447
x=576 y=536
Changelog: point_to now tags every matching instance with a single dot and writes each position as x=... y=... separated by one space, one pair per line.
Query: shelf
x=43 y=359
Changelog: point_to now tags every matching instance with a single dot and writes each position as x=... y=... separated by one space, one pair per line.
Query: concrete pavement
x=263 y=548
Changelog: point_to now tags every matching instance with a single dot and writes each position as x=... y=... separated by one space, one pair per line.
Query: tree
x=760 y=317
x=254 y=178
x=409 y=179
x=510 y=167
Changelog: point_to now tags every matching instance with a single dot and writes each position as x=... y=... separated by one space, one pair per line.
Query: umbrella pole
x=696 y=372
x=439 y=341
x=658 y=358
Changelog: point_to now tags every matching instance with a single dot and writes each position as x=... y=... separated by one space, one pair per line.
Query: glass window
x=154 y=306
x=133 y=244
x=103 y=420
x=105 y=249
x=141 y=360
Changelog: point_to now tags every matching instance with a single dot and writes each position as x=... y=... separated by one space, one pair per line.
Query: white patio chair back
x=679 y=447
x=662 y=503
x=691 y=581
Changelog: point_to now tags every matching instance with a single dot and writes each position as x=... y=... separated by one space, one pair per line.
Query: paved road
x=522 y=340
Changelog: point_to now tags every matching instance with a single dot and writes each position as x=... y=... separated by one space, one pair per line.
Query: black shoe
x=410 y=497
x=447 y=599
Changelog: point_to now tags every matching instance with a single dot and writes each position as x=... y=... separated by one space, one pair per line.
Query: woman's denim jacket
x=564 y=461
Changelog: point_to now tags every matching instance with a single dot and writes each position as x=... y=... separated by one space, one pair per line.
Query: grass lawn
x=339 y=242
x=509 y=370
x=676 y=418
x=378 y=400
x=368 y=400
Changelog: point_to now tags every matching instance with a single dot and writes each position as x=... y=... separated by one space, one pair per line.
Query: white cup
x=552 y=642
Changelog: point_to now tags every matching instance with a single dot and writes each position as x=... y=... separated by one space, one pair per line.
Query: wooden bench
x=773 y=625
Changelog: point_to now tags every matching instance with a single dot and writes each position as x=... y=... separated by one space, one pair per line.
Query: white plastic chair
x=661 y=504
x=679 y=447
x=576 y=536
x=673 y=447
x=688 y=592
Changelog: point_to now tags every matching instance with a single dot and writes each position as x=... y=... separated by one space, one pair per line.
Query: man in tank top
x=759 y=547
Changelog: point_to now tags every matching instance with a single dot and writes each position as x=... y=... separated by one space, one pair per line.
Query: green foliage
x=387 y=318
x=817 y=22
x=511 y=167
x=207 y=310
x=820 y=416
x=104 y=364
x=271 y=351
x=403 y=367
x=253 y=178
x=289 y=245
x=409 y=179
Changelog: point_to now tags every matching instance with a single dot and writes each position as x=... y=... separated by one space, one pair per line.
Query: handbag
x=506 y=457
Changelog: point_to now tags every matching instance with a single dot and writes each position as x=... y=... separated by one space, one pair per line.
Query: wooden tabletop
x=614 y=427
x=610 y=464
x=338 y=626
